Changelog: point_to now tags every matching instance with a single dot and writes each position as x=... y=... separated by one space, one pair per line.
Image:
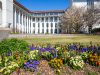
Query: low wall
x=4 y=33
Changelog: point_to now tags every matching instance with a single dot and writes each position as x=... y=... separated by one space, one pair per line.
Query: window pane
x=46 y=19
x=55 y=30
x=34 y=25
x=34 y=19
x=43 y=31
x=51 y=24
x=55 y=19
x=47 y=31
x=51 y=31
x=42 y=19
x=51 y=19
x=47 y=25
x=56 y=25
x=42 y=25
x=38 y=25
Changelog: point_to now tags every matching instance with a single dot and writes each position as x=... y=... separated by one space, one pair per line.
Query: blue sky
x=45 y=4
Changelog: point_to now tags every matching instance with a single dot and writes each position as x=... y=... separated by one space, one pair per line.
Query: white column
x=49 y=24
x=53 y=28
x=58 y=26
x=36 y=28
x=45 y=25
x=19 y=21
x=22 y=24
x=15 y=20
x=31 y=26
x=27 y=25
x=40 y=25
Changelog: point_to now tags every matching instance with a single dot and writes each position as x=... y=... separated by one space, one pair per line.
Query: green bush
x=47 y=55
x=10 y=45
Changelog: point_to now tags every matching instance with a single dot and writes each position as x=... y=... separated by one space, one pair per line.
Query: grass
x=62 y=39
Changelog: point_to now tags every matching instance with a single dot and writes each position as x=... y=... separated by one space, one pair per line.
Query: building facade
x=22 y=20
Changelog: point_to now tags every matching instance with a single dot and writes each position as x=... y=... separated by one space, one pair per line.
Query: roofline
x=23 y=7
x=32 y=12
x=47 y=11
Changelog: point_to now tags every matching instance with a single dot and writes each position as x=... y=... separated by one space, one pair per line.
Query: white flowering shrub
x=76 y=62
x=33 y=54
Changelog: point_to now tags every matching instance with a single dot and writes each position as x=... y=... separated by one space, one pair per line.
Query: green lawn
x=62 y=39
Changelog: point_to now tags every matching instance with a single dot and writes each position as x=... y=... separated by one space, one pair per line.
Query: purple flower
x=8 y=54
x=31 y=61
x=27 y=63
x=36 y=62
x=84 y=49
x=30 y=65
x=42 y=49
x=72 y=47
x=32 y=48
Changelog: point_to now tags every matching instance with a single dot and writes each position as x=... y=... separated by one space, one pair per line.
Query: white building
x=22 y=20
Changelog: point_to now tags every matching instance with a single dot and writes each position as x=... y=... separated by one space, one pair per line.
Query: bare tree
x=76 y=18
x=91 y=16
x=72 y=20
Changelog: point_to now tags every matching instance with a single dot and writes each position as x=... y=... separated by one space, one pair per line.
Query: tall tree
x=72 y=20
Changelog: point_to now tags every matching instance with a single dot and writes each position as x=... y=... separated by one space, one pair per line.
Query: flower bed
x=76 y=56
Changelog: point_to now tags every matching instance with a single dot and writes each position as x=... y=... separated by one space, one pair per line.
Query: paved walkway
x=43 y=35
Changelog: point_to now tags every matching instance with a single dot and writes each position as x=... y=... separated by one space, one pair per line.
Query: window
x=43 y=14
x=33 y=31
x=34 y=25
x=47 y=31
x=38 y=25
x=55 y=19
x=55 y=13
x=33 y=19
x=43 y=31
x=51 y=24
x=51 y=19
x=51 y=13
x=59 y=30
x=47 y=25
x=51 y=31
x=42 y=19
x=55 y=30
x=37 y=19
x=38 y=30
x=46 y=19
x=56 y=25
x=42 y=25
